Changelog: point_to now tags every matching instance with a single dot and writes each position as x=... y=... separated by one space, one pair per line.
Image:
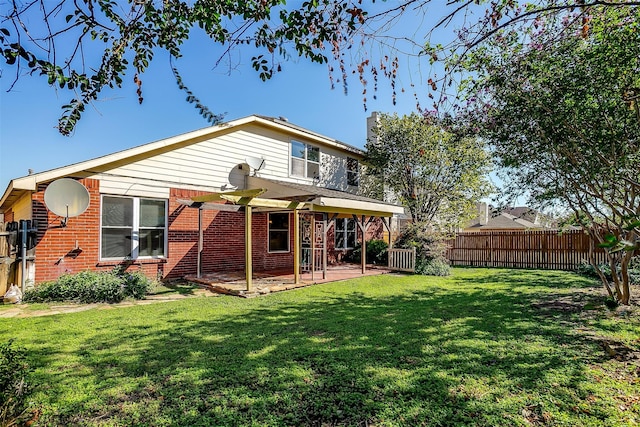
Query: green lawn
x=480 y=348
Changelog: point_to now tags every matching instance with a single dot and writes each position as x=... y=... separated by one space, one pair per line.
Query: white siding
x=215 y=164
x=22 y=208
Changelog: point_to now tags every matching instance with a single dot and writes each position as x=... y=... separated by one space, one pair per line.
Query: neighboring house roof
x=523 y=212
x=19 y=186
x=505 y=221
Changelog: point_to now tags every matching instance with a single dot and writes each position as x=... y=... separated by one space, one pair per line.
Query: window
x=278 y=232
x=305 y=160
x=345 y=233
x=352 y=171
x=133 y=227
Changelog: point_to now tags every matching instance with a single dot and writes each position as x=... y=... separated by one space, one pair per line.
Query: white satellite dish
x=66 y=197
x=256 y=163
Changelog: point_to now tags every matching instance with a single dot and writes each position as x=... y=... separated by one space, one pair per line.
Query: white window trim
x=345 y=234
x=279 y=229
x=356 y=171
x=306 y=161
x=135 y=232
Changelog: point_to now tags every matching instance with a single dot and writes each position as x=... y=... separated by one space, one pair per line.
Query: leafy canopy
x=557 y=103
x=85 y=46
x=436 y=174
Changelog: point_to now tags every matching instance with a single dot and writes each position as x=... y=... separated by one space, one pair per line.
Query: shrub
x=634 y=270
x=14 y=388
x=376 y=253
x=586 y=269
x=136 y=285
x=433 y=267
x=90 y=287
x=431 y=249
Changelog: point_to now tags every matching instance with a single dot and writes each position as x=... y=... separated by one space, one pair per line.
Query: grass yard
x=484 y=347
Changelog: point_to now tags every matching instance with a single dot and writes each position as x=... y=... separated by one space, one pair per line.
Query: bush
x=136 y=285
x=634 y=270
x=431 y=249
x=433 y=267
x=586 y=269
x=14 y=388
x=90 y=287
x=376 y=253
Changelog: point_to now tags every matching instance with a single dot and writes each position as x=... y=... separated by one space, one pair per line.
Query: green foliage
x=376 y=253
x=436 y=174
x=550 y=99
x=588 y=270
x=431 y=249
x=482 y=347
x=433 y=267
x=126 y=38
x=14 y=388
x=90 y=287
x=134 y=284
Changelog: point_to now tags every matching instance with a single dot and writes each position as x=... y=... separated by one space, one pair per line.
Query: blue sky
x=301 y=93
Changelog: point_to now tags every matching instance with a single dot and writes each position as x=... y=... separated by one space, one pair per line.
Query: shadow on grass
x=467 y=351
x=179 y=287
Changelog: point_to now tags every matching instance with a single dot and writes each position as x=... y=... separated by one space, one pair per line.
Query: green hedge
x=91 y=286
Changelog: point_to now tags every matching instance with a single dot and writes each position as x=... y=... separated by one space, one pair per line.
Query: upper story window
x=132 y=227
x=353 y=171
x=305 y=160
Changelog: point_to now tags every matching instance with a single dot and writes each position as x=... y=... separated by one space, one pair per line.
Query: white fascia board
x=310 y=135
x=329 y=202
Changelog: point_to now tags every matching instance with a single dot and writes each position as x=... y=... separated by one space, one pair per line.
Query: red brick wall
x=375 y=231
x=55 y=246
x=223 y=240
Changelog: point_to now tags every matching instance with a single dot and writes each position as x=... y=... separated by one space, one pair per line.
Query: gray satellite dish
x=67 y=198
x=256 y=163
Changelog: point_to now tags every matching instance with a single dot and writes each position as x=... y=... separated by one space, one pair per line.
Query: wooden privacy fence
x=402 y=259
x=548 y=249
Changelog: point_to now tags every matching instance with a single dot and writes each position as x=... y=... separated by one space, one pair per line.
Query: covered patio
x=263 y=283
x=313 y=210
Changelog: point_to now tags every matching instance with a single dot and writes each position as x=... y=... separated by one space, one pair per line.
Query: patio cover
x=321 y=199
x=267 y=194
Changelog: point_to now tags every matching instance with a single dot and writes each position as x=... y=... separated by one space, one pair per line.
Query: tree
x=85 y=46
x=553 y=100
x=437 y=175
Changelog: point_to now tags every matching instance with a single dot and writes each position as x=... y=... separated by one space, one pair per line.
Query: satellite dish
x=66 y=197
x=257 y=163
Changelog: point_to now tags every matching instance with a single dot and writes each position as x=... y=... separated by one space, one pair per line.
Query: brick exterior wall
x=75 y=247
x=375 y=231
x=55 y=249
x=223 y=240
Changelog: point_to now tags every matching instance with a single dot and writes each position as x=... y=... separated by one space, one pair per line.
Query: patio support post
x=313 y=246
x=363 y=248
x=248 y=261
x=200 y=243
x=296 y=246
x=327 y=226
x=387 y=225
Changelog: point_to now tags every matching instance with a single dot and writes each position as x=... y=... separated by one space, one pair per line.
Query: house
x=257 y=193
x=507 y=219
